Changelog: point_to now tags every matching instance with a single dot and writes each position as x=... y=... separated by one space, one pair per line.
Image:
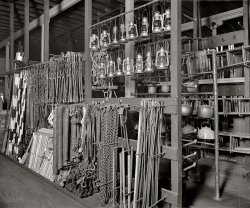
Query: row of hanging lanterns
x=160 y=23
x=127 y=67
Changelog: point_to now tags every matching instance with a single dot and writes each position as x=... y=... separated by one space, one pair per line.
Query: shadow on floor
x=225 y=181
x=192 y=189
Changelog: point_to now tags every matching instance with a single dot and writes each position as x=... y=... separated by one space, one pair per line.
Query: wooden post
x=216 y=127
x=42 y=43
x=87 y=75
x=176 y=165
x=246 y=25
x=12 y=35
x=26 y=31
x=195 y=26
x=46 y=30
x=129 y=49
x=7 y=69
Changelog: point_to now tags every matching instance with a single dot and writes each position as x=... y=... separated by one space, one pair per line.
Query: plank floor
x=21 y=189
x=234 y=188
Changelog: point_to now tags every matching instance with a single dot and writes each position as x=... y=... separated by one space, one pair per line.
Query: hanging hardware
x=166 y=17
x=149 y=63
x=132 y=31
x=102 y=70
x=115 y=41
x=119 y=71
x=123 y=38
x=144 y=27
x=162 y=59
x=157 y=22
x=94 y=42
x=105 y=39
x=111 y=69
x=128 y=67
x=139 y=64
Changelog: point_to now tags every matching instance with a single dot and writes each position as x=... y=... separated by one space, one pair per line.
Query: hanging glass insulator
x=111 y=69
x=132 y=31
x=103 y=71
x=128 y=67
x=94 y=42
x=115 y=36
x=161 y=60
x=157 y=22
x=149 y=68
x=123 y=38
x=144 y=27
x=119 y=71
x=167 y=20
x=139 y=64
x=105 y=39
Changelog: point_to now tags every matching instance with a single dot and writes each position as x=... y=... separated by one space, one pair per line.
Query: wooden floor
x=21 y=189
x=235 y=190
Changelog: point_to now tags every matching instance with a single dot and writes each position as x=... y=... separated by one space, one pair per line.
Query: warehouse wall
x=2 y=65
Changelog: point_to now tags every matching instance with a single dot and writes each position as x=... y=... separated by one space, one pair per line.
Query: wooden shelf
x=224 y=149
x=219 y=69
x=222 y=81
x=235 y=113
x=240 y=135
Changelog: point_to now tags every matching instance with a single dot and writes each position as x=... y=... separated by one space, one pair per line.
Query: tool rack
x=173 y=104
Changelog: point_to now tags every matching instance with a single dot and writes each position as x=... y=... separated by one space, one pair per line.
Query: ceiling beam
x=65 y=4
x=217 y=18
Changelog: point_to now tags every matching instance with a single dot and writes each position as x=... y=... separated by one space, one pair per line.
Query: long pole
x=216 y=128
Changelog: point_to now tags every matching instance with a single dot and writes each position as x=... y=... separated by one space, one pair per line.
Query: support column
x=26 y=31
x=216 y=128
x=46 y=30
x=195 y=26
x=7 y=69
x=88 y=23
x=12 y=35
x=42 y=43
x=176 y=166
x=129 y=49
x=246 y=24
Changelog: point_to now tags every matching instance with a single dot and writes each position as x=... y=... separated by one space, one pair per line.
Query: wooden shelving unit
x=172 y=103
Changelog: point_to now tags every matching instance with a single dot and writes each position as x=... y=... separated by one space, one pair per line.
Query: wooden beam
x=195 y=25
x=26 y=31
x=64 y=5
x=7 y=69
x=176 y=166
x=246 y=24
x=232 y=14
x=12 y=41
x=87 y=74
x=46 y=30
x=129 y=49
